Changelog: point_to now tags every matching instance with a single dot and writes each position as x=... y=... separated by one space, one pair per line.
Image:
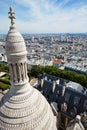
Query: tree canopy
x=66 y=74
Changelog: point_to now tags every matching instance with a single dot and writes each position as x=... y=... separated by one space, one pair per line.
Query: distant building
x=57 y=63
x=32 y=39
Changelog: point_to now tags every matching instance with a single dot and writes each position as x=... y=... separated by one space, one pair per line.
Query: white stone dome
x=22 y=107
x=26 y=111
x=14 y=41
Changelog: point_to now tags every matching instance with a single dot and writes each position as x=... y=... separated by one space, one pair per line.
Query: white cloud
x=45 y=16
x=4 y=24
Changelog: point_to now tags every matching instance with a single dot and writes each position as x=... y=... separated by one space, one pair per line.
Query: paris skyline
x=46 y=16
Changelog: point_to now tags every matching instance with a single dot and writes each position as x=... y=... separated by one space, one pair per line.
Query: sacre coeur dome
x=22 y=107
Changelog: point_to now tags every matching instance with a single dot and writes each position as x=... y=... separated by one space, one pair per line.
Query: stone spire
x=23 y=107
x=16 y=55
x=63 y=89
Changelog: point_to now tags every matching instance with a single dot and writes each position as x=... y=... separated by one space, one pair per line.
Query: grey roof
x=76 y=100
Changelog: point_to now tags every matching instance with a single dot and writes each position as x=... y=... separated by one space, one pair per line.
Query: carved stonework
x=17 y=59
x=22 y=107
x=14 y=39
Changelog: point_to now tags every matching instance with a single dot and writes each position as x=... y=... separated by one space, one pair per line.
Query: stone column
x=15 y=73
x=20 y=76
x=21 y=69
x=11 y=72
x=25 y=70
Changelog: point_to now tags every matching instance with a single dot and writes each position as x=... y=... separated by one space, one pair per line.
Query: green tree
x=36 y=70
x=2 y=67
x=66 y=74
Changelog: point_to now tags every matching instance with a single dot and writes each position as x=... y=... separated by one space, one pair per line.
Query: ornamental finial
x=12 y=17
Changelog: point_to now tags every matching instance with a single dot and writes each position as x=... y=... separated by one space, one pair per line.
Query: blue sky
x=45 y=16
